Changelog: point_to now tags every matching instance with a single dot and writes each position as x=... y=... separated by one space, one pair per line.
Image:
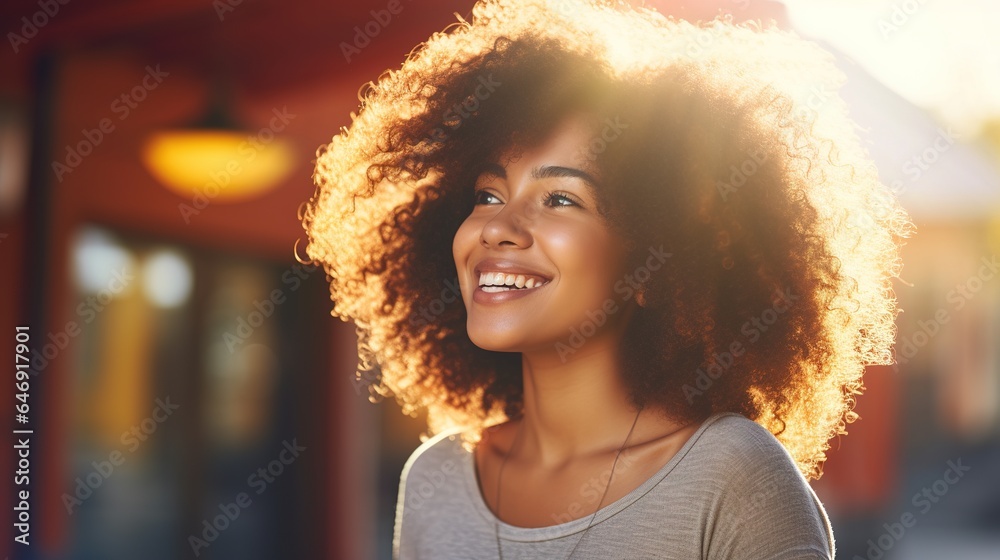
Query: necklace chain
x=496 y=524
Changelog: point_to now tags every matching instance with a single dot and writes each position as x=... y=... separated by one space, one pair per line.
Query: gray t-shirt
x=731 y=492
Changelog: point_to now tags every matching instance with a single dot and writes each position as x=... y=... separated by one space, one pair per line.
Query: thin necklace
x=496 y=524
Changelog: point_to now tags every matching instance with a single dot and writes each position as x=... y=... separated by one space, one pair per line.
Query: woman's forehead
x=574 y=142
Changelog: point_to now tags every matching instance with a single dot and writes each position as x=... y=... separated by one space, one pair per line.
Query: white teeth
x=494 y=289
x=501 y=280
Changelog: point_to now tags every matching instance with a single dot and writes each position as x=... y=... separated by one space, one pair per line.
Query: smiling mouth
x=493 y=282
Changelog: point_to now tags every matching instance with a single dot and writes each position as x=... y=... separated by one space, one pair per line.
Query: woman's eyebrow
x=547 y=171
x=494 y=169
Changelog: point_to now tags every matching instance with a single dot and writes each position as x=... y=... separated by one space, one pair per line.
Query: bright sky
x=942 y=55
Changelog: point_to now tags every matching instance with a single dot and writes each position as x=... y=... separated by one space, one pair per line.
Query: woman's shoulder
x=765 y=506
x=734 y=425
x=730 y=437
x=742 y=456
x=442 y=452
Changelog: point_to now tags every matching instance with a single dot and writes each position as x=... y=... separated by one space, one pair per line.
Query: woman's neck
x=573 y=408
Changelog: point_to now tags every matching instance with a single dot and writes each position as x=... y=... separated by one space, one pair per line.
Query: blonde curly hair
x=739 y=158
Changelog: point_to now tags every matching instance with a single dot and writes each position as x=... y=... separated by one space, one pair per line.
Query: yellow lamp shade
x=221 y=165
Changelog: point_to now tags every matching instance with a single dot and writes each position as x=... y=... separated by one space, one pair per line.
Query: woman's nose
x=511 y=225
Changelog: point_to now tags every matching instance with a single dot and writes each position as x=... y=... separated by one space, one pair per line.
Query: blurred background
x=191 y=396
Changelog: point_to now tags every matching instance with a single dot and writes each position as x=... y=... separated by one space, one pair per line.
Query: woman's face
x=536 y=221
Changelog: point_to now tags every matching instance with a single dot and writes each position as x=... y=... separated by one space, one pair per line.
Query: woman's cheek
x=464 y=240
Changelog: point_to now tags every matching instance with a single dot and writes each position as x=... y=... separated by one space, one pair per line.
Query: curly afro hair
x=736 y=155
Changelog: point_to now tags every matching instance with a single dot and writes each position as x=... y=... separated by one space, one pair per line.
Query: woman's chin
x=501 y=339
x=494 y=342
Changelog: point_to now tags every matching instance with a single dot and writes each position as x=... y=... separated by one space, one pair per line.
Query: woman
x=669 y=264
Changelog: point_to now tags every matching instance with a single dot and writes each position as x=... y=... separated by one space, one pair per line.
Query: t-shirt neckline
x=537 y=534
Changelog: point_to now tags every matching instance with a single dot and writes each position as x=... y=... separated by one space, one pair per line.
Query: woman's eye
x=554 y=199
x=483 y=197
x=559 y=199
